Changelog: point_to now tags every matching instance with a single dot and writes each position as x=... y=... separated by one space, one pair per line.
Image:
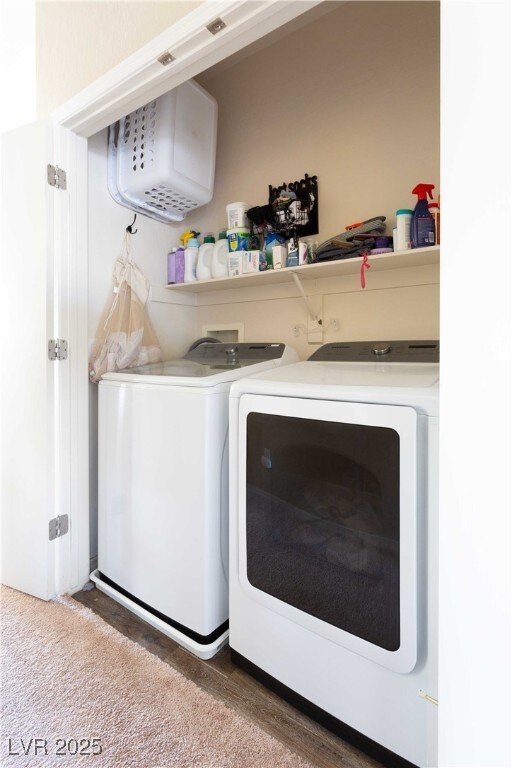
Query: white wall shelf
x=398 y=260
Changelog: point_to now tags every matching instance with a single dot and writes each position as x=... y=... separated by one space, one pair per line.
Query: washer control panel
x=238 y=353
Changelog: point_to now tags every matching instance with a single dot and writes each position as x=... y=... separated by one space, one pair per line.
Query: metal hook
x=129 y=228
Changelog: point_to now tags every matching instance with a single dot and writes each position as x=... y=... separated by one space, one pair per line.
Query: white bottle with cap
x=403 y=229
x=237 y=215
x=220 y=257
x=204 y=258
x=191 y=254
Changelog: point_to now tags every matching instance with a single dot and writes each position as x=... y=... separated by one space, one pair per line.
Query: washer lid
x=206 y=365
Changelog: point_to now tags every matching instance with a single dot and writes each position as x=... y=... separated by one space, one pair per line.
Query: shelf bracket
x=314 y=306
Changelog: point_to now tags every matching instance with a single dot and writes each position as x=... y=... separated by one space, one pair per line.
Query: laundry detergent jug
x=220 y=258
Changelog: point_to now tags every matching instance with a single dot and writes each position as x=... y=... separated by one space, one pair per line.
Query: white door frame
x=141 y=77
x=135 y=81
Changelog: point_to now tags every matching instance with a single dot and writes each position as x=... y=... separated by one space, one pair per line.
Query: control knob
x=382 y=348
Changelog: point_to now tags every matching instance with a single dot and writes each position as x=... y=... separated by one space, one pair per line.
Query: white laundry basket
x=113 y=135
x=163 y=162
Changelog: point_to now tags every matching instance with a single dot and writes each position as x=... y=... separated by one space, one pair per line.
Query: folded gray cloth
x=329 y=250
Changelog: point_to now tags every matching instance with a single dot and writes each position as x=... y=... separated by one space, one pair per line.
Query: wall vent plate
x=224 y=332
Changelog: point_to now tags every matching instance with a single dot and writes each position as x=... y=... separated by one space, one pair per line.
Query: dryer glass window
x=323 y=513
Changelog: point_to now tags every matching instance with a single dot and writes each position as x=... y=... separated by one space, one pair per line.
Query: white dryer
x=163 y=488
x=333 y=540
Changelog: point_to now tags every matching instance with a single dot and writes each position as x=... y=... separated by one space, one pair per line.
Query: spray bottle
x=423 y=228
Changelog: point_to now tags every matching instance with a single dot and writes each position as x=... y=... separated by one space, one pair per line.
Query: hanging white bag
x=125 y=337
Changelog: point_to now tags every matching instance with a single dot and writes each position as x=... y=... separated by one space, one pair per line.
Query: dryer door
x=328 y=518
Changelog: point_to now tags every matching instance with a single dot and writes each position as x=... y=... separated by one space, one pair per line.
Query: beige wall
x=76 y=42
x=353 y=97
x=392 y=307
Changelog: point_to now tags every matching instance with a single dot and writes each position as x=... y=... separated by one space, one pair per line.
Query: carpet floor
x=75 y=692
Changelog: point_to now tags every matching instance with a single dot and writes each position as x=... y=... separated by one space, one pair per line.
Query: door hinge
x=57 y=349
x=216 y=26
x=58 y=526
x=56 y=177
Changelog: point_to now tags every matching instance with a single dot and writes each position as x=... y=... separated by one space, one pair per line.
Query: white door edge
x=77 y=567
x=71 y=451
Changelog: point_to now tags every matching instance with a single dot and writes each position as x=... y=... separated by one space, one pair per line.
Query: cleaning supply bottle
x=403 y=229
x=179 y=273
x=434 y=210
x=191 y=254
x=292 y=250
x=272 y=239
x=171 y=266
x=204 y=258
x=187 y=235
x=220 y=256
x=423 y=228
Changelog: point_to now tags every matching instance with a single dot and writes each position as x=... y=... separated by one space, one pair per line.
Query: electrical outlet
x=315 y=327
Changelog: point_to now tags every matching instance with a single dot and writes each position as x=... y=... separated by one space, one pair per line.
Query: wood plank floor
x=238 y=690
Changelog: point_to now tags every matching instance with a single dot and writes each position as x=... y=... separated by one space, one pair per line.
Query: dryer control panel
x=370 y=351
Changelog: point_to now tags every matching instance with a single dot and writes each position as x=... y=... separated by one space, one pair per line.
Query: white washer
x=333 y=540
x=163 y=488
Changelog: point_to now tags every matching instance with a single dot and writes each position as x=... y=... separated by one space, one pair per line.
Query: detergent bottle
x=204 y=258
x=180 y=265
x=220 y=256
x=191 y=253
x=423 y=227
x=171 y=266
